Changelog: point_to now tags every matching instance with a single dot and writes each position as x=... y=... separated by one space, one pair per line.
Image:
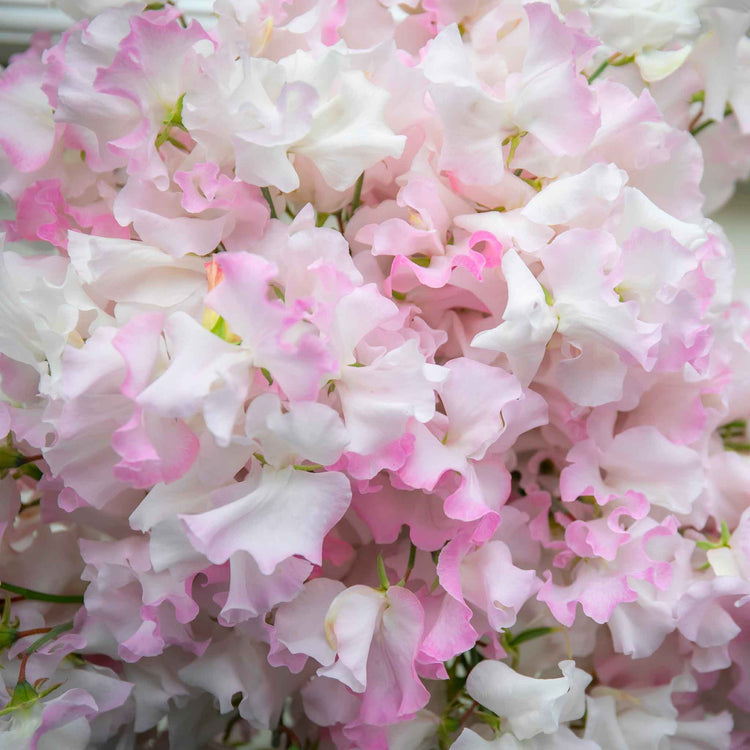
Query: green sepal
x=513 y=140
x=737 y=428
x=723 y=539
x=28 y=470
x=220 y=328
x=25 y=696
x=8 y=635
x=11 y=458
x=172 y=119
x=737 y=447
x=489 y=718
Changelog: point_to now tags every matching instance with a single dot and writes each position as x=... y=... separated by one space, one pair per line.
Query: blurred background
x=19 y=19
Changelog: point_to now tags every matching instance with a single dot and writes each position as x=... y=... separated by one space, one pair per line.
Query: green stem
x=177 y=144
x=181 y=17
x=530 y=635
x=357 y=198
x=737 y=447
x=267 y=195
x=385 y=584
x=602 y=67
x=409 y=565
x=702 y=126
x=619 y=62
x=47 y=637
x=40 y=596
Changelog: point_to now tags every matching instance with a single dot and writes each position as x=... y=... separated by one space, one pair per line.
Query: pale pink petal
x=288 y=513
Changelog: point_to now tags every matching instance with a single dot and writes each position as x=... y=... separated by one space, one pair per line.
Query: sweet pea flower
x=374 y=377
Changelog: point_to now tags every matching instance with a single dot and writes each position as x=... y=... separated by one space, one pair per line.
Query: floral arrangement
x=378 y=383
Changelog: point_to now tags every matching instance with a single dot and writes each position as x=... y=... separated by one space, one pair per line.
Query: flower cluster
x=378 y=382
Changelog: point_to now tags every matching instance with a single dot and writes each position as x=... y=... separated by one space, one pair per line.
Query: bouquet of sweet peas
x=374 y=379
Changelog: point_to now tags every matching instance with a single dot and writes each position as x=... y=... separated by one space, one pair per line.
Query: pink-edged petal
x=297 y=360
x=287 y=513
x=27 y=124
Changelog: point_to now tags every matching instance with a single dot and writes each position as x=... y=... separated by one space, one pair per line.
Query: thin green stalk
x=267 y=195
x=602 y=67
x=385 y=584
x=47 y=637
x=702 y=126
x=357 y=198
x=40 y=596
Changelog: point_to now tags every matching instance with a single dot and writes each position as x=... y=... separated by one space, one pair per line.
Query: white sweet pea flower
x=529 y=705
x=562 y=739
x=528 y=321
